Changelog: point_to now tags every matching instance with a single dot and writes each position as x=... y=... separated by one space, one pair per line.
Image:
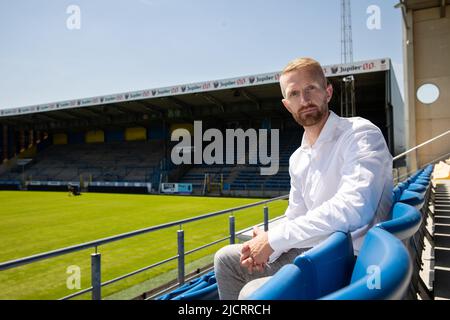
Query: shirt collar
x=326 y=134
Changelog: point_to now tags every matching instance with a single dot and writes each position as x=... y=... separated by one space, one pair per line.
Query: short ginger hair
x=302 y=63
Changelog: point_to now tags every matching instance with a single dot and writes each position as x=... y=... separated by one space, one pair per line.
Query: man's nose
x=304 y=99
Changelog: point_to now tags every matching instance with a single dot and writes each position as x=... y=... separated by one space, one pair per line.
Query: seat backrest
x=412 y=198
x=328 y=266
x=316 y=272
x=382 y=271
x=405 y=222
x=397 y=192
x=403 y=186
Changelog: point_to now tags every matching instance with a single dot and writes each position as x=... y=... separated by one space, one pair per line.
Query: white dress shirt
x=341 y=183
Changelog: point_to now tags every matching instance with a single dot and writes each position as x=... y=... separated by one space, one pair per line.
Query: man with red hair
x=341 y=180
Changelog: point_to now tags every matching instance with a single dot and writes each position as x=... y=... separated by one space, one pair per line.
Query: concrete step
x=441 y=283
x=441 y=212
x=442 y=228
x=441 y=240
x=442 y=257
x=441 y=219
x=439 y=202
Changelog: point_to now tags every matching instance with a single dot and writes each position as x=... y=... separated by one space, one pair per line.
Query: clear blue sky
x=125 y=45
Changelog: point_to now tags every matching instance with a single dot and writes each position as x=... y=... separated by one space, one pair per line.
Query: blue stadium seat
x=405 y=222
x=412 y=198
x=194 y=285
x=422 y=181
x=419 y=188
x=315 y=273
x=397 y=192
x=205 y=290
x=402 y=186
x=382 y=271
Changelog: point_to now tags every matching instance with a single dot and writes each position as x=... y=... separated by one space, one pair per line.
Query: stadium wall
x=426 y=60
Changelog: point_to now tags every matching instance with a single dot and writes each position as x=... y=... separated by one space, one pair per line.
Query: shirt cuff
x=276 y=242
x=274 y=256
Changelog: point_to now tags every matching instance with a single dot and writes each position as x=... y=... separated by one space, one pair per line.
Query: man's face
x=306 y=96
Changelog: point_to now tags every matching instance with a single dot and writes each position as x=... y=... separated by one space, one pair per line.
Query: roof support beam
x=51 y=117
x=251 y=98
x=76 y=115
x=213 y=100
x=93 y=112
x=122 y=109
x=148 y=108
x=179 y=104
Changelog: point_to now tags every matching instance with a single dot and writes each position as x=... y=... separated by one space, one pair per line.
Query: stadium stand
x=237 y=179
x=133 y=161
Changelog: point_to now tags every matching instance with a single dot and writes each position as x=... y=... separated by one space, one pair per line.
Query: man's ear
x=329 y=92
x=286 y=104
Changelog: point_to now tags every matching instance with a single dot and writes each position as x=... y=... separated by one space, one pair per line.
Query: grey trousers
x=234 y=281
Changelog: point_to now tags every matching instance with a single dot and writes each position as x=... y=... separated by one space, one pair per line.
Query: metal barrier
x=96 y=283
x=407 y=174
x=399 y=178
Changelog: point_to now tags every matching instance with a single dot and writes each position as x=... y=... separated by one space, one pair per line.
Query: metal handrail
x=423 y=166
x=420 y=145
x=397 y=179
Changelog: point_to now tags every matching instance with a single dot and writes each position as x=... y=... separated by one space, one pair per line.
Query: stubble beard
x=310 y=119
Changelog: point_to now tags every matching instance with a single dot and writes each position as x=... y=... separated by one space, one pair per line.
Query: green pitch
x=35 y=222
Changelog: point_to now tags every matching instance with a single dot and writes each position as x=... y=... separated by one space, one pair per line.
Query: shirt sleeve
x=353 y=206
x=296 y=204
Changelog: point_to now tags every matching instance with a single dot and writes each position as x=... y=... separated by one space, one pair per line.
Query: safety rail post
x=96 y=279
x=180 y=237
x=266 y=218
x=232 y=228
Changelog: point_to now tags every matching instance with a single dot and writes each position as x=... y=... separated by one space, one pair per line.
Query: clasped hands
x=255 y=253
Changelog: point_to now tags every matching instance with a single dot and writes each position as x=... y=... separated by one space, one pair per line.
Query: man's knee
x=251 y=287
x=229 y=253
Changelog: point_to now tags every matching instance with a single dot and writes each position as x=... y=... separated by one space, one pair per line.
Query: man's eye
x=294 y=94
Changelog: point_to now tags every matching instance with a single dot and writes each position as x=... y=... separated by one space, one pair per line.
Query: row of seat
x=204 y=288
x=330 y=271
